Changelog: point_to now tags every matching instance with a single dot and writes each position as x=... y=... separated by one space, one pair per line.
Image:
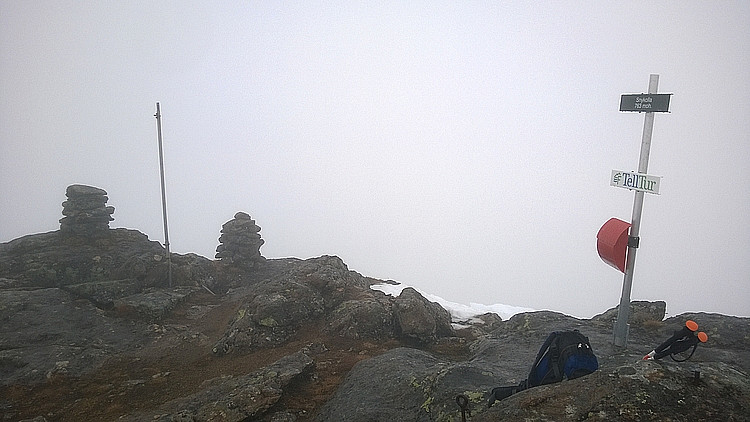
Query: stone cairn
x=240 y=242
x=85 y=212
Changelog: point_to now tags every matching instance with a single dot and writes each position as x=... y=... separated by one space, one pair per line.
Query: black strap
x=695 y=346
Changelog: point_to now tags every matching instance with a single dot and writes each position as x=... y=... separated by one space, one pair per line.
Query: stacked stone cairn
x=85 y=212
x=240 y=242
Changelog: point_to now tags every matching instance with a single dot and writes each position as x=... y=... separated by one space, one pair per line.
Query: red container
x=612 y=243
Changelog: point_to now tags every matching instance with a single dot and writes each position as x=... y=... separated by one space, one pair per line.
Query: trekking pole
x=683 y=345
x=682 y=340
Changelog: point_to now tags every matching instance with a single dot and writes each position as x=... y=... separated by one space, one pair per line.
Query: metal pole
x=163 y=195
x=623 y=313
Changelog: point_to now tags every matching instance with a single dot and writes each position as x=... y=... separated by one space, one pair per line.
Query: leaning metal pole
x=623 y=312
x=163 y=195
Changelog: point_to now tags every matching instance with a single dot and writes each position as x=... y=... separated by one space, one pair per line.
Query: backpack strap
x=499 y=393
x=542 y=351
x=545 y=345
x=554 y=360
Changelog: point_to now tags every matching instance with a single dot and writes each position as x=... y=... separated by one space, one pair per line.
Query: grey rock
x=362 y=319
x=152 y=304
x=236 y=398
x=252 y=394
x=419 y=319
x=387 y=387
x=271 y=317
x=325 y=289
x=49 y=332
x=55 y=260
x=76 y=191
x=641 y=312
x=103 y=294
x=641 y=390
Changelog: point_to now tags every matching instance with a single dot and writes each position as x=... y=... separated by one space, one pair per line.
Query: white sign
x=635 y=181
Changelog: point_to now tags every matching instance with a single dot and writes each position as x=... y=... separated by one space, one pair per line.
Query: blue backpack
x=564 y=354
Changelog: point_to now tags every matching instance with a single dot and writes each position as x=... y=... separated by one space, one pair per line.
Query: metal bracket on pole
x=623 y=311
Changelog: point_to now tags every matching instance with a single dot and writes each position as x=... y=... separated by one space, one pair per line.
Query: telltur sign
x=635 y=181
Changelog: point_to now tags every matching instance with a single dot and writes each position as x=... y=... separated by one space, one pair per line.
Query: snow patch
x=459 y=312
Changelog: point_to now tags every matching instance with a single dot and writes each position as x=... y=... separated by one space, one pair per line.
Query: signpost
x=641 y=183
x=635 y=181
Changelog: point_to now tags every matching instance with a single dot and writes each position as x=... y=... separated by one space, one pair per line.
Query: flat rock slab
x=235 y=398
x=153 y=304
x=45 y=332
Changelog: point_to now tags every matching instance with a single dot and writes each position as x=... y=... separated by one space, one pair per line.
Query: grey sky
x=461 y=147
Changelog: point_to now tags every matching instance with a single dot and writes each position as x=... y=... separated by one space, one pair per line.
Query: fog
x=464 y=148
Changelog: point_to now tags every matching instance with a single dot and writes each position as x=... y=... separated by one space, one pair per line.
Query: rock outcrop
x=112 y=265
x=236 y=398
x=419 y=319
x=641 y=312
x=49 y=332
x=89 y=259
x=422 y=386
x=324 y=291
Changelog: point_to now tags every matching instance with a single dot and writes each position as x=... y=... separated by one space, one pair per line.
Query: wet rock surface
x=53 y=260
x=236 y=398
x=404 y=384
x=99 y=314
x=49 y=332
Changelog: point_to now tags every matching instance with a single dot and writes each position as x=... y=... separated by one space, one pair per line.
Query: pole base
x=621 y=333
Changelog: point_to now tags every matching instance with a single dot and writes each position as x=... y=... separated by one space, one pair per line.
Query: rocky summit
x=91 y=331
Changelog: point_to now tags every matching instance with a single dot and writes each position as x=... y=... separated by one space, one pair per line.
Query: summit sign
x=635 y=181
x=647 y=103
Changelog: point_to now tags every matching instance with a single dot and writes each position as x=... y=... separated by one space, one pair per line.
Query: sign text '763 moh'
x=645 y=102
